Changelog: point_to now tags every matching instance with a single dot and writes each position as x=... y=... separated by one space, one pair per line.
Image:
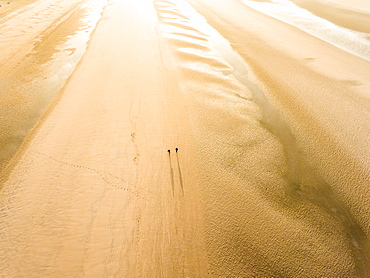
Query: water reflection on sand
x=30 y=84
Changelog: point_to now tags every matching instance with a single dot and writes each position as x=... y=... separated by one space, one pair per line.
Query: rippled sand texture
x=41 y=42
x=272 y=125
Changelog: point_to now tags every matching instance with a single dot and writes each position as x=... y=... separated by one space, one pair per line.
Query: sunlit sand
x=184 y=138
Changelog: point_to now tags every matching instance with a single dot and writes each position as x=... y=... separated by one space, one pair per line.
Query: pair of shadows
x=179 y=172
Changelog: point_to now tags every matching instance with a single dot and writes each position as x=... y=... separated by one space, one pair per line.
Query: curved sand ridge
x=95 y=192
x=354 y=14
x=294 y=181
x=259 y=185
x=309 y=98
x=357 y=43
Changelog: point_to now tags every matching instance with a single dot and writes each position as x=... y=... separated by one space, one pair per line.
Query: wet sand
x=41 y=44
x=322 y=101
x=353 y=15
x=104 y=197
x=271 y=177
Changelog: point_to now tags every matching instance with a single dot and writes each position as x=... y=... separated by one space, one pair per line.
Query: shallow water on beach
x=166 y=156
x=29 y=84
x=286 y=171
x=354 y=42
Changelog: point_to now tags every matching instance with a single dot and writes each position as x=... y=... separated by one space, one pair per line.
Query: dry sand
x=272 y=174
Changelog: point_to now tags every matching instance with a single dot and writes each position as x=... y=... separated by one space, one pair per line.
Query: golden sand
x=196 y=139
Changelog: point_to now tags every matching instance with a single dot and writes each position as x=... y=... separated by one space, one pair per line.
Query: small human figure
x=177 y=149
x=169 y=151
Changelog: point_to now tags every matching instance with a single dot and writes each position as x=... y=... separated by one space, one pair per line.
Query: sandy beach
x=185 y=138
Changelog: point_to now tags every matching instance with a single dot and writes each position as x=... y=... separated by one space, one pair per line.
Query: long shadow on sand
x=180 y=173
x=171 y=172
